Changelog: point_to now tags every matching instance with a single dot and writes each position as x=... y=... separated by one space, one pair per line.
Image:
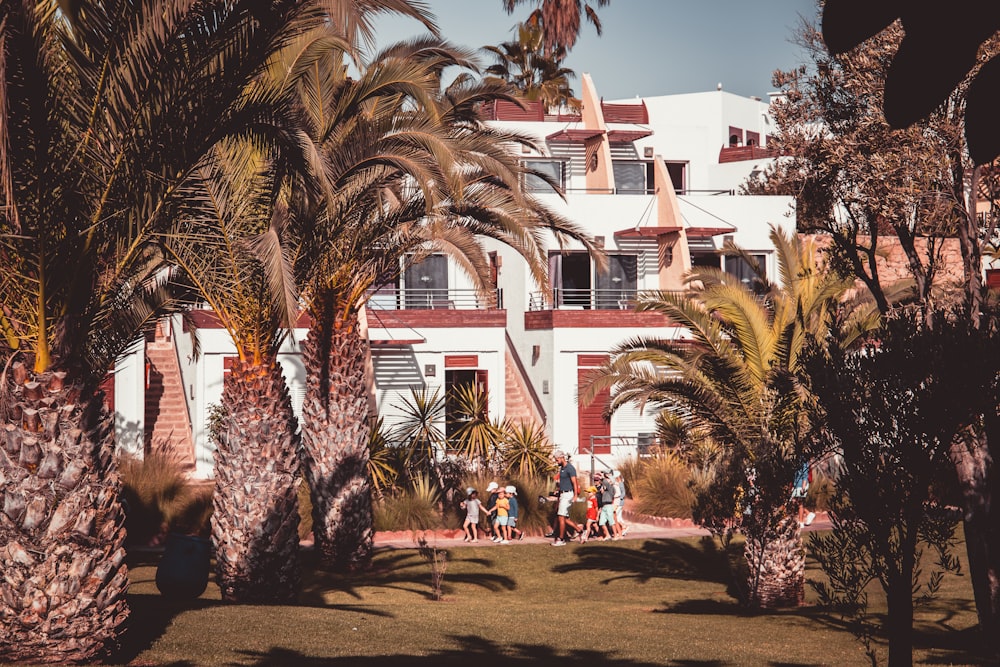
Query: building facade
x=654 y=180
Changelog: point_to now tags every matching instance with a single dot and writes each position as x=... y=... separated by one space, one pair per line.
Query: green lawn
x=629 y=603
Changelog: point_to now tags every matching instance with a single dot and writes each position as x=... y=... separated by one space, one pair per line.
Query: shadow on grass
x=468 y=651
x=658 y=559
x=398 y=570
x=149 y=617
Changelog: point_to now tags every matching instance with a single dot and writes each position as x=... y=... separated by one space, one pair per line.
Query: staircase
x=519 y=402
x=167 y=423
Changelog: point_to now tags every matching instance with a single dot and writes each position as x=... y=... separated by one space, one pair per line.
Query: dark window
x=616 y=287
x=454 y=418
x=753 y=138
x=426 y=283
x=554 y=169
x=706 y=260
x=738 y=267
x=677 y=171
x=735 y=136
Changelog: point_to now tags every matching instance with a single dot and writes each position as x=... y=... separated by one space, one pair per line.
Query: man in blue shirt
x=569 y=489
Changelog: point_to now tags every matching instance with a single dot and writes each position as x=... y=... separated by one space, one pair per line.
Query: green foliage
x=525 y=451
x=383 y=460
x=413 y=509
x=478 y=438
x=419 y=429
x=159 y=498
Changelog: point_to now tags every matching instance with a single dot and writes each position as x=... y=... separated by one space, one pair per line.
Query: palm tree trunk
x=257 y=475
x=979 y=478
x=776 y=564
x=62 y=530
x=335 y=434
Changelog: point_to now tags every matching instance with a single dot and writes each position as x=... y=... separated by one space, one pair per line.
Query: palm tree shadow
x=399 y=570
x=659 y=559
x=467 y=650
x=149 y=617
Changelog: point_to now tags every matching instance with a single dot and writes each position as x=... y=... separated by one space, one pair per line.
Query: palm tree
x=537 y=75
x=734 y=378
x=560 y=19
x=230 y=239
x=105 y=110
x=414 y=172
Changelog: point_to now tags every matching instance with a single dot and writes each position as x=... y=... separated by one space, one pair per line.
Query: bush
x=662 y=486
x=159 y=498
x=413 y=509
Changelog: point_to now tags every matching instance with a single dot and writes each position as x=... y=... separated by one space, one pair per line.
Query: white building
x=653 y=179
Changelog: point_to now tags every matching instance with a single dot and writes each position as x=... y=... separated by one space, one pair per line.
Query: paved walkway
x=636 y=531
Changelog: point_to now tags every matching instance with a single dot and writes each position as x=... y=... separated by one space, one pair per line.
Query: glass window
x=632 y=177
x=554 y=169
x=738 y=267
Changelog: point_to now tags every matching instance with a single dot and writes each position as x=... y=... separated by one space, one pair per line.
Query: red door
x=591 y=425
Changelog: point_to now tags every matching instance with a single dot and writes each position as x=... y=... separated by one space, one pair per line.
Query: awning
x=627 y=136
x=566 y=135
x=707 y=232
x=396 y=342
x=643 y=232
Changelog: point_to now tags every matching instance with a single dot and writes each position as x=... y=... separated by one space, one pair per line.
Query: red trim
x=590 y=360
x=741 y=153
x=461 y=361
x=536 y=320
x=436 y=319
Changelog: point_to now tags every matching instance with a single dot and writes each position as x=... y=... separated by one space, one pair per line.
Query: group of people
x=605 y=501
x=500 y=510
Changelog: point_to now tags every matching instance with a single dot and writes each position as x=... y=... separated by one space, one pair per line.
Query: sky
x=648 y=47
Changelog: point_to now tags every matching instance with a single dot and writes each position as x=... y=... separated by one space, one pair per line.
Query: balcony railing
x=586 y=299
x=391 y=298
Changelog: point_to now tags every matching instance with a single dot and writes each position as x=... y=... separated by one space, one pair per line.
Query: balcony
x=391 y=307
x=582 y=299
x=588 y=308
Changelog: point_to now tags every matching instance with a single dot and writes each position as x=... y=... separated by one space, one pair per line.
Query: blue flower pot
x=183 y=570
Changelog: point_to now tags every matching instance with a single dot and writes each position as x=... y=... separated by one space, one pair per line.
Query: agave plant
x=478 y=437
x=525 y=450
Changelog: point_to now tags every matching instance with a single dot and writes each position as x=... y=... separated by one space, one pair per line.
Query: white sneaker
x=810 y=517
x=558 y=543
x=504 y=541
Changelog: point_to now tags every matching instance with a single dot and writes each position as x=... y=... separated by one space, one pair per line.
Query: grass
x=624 y=604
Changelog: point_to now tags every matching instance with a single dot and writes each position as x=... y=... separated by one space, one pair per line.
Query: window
x=426 y=283
x=554 y=169
x=576 y=283
x=735 y=136
x=616 y=287
x=678 y=175
x=633 y=177
x=753 y=138
x=738 y=267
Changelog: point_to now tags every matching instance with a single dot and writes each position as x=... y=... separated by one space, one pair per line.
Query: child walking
x=471 y=506
x=591 y=514
x=513 y=532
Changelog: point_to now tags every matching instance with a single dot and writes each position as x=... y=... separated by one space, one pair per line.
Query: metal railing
x=391 y=298
x=586 y=299
x=607 y=451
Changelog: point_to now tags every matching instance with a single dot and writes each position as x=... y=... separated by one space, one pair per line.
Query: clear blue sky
x=649 y=47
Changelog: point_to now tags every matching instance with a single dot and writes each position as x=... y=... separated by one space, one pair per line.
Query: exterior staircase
x=519 y=401
x=167 y=423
